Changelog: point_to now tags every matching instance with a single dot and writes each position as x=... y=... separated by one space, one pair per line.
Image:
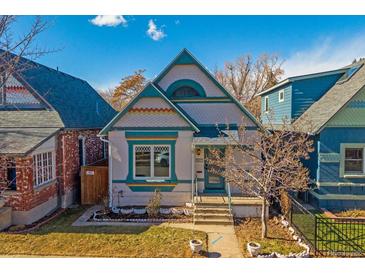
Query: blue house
x=331 y=107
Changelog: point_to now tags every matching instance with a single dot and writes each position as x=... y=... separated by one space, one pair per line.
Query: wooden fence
x=94 y=184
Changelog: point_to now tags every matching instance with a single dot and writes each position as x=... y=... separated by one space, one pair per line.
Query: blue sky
x=102 y=54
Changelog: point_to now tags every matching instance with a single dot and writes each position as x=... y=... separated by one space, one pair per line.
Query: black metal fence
x=329 y=236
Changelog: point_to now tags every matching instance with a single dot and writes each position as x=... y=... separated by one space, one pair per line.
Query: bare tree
x=128 y=88
x=264 y=164
x=14 y=46
x=245 y=77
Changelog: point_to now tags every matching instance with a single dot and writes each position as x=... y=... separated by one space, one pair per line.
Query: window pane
x=354 y=160
x=161 y=161
x=185 y=91
x=143 y=161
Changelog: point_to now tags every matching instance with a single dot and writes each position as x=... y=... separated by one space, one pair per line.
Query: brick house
x=49 y=122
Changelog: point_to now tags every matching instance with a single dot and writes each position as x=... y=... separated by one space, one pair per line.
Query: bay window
x=152 y=161
x=43 y=168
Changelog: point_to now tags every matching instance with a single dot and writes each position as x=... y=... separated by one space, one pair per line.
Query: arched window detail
x=185 y=91
x=185 y=88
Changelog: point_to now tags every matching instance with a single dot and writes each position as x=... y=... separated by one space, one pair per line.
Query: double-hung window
x=354 y=161
x=43 y=168
x=281 y=95
x=151 y=161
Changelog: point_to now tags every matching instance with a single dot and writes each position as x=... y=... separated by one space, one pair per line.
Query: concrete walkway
x=222 y=240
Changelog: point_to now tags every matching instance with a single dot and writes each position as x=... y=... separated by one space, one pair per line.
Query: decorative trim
x=151 y=134
x=142 y=182
x=150 y=90
x=185 y=82
x=329 y=157
x=150 y=128
x=202 y=100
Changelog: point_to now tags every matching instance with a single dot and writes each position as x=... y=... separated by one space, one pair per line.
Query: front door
x=212 y=182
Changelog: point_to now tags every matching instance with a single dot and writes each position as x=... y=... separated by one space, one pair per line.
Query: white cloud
x=326 y=54
x=153 y=32
x=109 y=20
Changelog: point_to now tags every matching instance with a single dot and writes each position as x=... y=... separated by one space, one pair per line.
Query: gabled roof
x=150 y=90
x=186 y=57
x=77 y=103
x=302 y=77
x=336 y=98
x=21 y=141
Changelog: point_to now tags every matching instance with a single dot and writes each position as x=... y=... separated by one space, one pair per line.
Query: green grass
x=59 y=238
x=278 y=240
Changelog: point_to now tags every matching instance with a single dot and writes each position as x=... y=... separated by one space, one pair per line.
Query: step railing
x=229 y=197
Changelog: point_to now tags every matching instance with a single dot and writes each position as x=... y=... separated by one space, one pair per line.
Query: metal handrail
x=229 y=197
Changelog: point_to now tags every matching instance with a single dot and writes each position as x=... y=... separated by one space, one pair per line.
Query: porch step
x=212 y=211
x=213 y=222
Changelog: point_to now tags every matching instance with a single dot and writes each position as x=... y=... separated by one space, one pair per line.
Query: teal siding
x=278 y=110
x=306 y=92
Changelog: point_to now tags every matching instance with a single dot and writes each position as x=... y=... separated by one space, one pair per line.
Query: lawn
x=278 y=240
x=59 y=238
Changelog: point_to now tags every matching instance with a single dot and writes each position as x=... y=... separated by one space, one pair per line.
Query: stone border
x=83 y=220
x=296 y=237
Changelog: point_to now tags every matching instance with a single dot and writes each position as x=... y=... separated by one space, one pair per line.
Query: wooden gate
x=94 y=184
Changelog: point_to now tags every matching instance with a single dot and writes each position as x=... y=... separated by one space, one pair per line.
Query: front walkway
x=222 y=240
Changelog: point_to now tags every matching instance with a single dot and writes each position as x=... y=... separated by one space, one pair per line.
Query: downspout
x=102 y=138
x=192 y=173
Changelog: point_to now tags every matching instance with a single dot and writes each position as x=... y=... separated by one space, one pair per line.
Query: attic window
x=185 y=91
x=349 y=73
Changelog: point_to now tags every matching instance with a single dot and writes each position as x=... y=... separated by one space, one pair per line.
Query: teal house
x=330 y=106
x=160 y=139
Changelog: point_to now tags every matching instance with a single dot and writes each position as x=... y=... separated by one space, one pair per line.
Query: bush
x=285 y=203
x=153 y=207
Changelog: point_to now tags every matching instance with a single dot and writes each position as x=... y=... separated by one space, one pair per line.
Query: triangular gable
x=150 y=91
x=18 y=95
x=185 y=58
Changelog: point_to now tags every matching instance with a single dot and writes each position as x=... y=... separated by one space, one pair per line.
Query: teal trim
x=150 y=142
x=218 y=99
x=149 y=128
x=226 y=126
x=185 y=82
x=145 y=182
x=165 y=134
x=208 y=186
x=150 y=90
x=185 y=57
x=151 y=188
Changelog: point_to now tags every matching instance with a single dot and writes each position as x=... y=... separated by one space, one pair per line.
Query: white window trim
x=35 y=167
x=151 y=163
x=266 y=104
x=343 y=146
x=281 y=92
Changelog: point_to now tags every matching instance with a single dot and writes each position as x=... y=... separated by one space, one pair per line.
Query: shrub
x=154 y=204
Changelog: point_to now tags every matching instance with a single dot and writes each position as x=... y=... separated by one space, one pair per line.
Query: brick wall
x=67 y=170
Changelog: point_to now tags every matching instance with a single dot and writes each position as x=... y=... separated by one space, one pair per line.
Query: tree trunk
x=263 y=219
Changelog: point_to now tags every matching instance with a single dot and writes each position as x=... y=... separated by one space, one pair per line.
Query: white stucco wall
x=180 y=195
x=191 y=72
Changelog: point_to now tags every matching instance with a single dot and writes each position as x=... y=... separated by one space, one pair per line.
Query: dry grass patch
x=278 y=240
x=353 y=213
x=59 y=238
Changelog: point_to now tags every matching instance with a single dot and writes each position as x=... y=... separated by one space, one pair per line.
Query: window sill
x=43 y=186
x=354 y=176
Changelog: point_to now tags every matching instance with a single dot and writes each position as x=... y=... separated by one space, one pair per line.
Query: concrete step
x=211 y=204
x=213 y=210
x=214 y=221
x=221 y=216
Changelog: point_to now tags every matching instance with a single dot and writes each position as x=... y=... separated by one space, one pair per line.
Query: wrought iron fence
x=329 y=236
